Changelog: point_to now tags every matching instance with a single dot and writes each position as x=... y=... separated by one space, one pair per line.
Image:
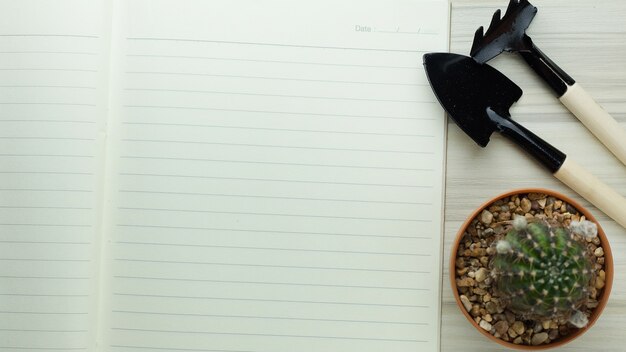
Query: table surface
x=588 y=40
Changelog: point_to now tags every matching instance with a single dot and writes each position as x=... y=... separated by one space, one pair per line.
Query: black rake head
x=504 y=34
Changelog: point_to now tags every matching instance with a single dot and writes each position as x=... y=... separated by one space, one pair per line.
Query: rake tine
x=495 y=21
x=478 y=39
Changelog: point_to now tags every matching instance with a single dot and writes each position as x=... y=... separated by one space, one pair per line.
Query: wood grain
x=588 y=40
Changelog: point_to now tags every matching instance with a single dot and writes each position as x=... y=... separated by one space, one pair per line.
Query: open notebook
x=203 y=175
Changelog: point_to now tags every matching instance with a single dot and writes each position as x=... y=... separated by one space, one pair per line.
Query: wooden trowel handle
x=593 y=190
x=596 y=119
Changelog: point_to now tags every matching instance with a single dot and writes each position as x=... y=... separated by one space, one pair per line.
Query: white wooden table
x=588 y=40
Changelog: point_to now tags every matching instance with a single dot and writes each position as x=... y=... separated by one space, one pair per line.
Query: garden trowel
x=478 y=97
x=509 y=34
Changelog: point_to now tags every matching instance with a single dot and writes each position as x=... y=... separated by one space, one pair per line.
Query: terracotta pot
x=608 y=267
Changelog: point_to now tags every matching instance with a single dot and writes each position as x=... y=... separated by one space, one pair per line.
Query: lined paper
x=51 y=110
x=276 y=177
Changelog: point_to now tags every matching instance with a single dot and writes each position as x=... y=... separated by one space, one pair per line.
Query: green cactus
x=543 y=272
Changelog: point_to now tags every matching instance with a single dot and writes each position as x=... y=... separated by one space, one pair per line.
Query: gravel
x=474 y=281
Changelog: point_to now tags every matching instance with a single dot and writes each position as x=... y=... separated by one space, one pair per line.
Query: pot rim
x=608 y=267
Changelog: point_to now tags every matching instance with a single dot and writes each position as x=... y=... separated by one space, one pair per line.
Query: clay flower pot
x=602 y=297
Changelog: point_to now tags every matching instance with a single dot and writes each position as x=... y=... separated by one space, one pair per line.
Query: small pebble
x=553 y=334
x=599 y=252
x=537 y=196
x=510 y=317
x=466 y=282
x=485 y=325
x=539 y=338
x=466 y=302
x=479 y=291
x=542 y=203
x=599 y=283
x=526 y=205
x=484 y=261
x=475 y=310
x=481 y=275
x=491 y=307
x=571 y=209
x=486 y=298
x=486 y=217
x=518 y=327
x=558 y=204
x=501 y=327
x=504 y=216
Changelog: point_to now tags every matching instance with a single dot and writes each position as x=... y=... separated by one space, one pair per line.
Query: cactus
x=544 y=272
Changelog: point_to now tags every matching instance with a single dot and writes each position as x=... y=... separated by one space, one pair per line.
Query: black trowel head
x=466 y=89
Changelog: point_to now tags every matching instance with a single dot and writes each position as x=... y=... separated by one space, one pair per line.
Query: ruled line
x=49 y=69
x=46 y=86
x=46 y=348
x=271 y=61
x=275 y=78
x=43 y=207
x=268 y=266
x=419 y=32
x=43 y=330
x=45 y=260
x=267 y=317
x=272 y=232
x=271 y=248
x=49 y=173
x=177 y=349
x=45 y=242
x=268 y=335
x=274 y=214
x=272 y=44
x=280 y=129
x=54 y=121
x=296 y=113
x=42 y=277
x=200 y=194
x=45 y=190
x=49 y=52
x=42 y=103
x=277 y=95
x=50 y=138
x=46 y=156
x=273 y=163
x=274 y=180
x=43 y=313
x=51 y=35
x=178 y=279
x=278 y=146
x=270 y=300
x=43 y=295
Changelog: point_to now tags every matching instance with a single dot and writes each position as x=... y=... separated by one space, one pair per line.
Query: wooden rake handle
x=596 y=119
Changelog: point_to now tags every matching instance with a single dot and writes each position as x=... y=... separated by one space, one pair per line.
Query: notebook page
x=276 y=177
x=51 y=112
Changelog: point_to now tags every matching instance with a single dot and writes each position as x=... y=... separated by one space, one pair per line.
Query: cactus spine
x=543 y=272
